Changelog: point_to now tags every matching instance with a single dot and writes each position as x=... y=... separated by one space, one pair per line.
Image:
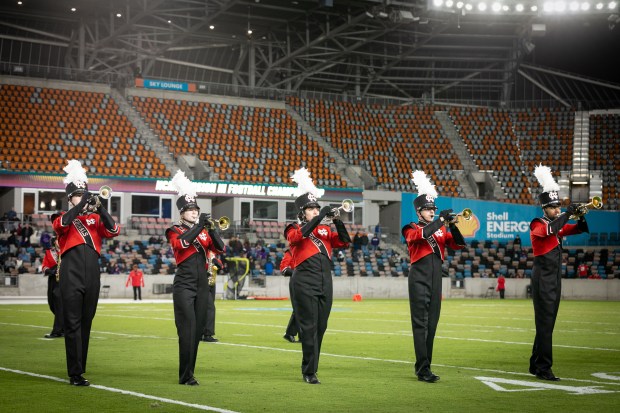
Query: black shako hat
x=424 y=201
x=186 y=202
x=549 y=199
x=306 y=200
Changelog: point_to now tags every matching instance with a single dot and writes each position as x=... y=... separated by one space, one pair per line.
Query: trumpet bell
x=597 y=202
x=466 y=214
x=223 y=223
x=347 y=205
x=105 y=192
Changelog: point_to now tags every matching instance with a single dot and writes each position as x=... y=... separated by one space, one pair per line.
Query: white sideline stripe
x=286 y=350
x=126 y=392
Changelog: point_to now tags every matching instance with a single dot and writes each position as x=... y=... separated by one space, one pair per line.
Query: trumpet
x=596 y=203
x=223 y=223
x=466 y=214
x=347 y=206
x=94 y=202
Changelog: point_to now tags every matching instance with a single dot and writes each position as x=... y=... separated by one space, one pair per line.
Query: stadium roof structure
x=403 y=51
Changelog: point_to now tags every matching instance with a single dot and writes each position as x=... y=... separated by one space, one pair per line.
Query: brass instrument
x=466 y=214
x=223 y=223
x=596 y=203
x=57 y=248
x=212 y=270
x=94 y=202
x=347 y=206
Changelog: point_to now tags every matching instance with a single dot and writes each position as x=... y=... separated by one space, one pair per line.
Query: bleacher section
x=493 y=146
x=42 y=128
x=240 y=143
x=605 y=156
x=389 y=142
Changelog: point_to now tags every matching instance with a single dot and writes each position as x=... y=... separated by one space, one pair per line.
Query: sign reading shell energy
x=502 y=222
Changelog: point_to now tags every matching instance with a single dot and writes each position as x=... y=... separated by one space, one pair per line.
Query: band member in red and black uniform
x=80 y=233
x=213 y=267
x=287 y=265
x=426 y=241
x=191 y=240
x=546 y=234
x=311 y=241
x=54 y=299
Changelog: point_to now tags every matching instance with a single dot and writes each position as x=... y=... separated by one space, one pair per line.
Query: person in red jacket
x=136 y=277
x=501 y=286
x=287 y=265
x=49 y=266
x=80 y=232
x=426 y=241
x=191 y=240
x=546 y=234
x=311 y=241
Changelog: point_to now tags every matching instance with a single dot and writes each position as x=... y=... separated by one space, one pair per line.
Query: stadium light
x=529 y=7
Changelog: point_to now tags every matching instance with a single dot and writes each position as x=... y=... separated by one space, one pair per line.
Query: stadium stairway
x=581 y=144
x=351 y=178
x=145 y=132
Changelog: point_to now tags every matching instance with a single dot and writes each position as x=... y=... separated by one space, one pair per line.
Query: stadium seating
x=605 y=156
x=42 y=128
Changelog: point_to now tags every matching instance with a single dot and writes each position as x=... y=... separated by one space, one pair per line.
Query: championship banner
x=500 y=221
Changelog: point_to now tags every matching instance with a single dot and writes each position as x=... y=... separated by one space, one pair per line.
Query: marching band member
x=80 y=233
x=426 y=241
x=546 y=234
x=213 y=266
x=191 y=240
x=54 y=299
x=287 y=265
x=311 y=242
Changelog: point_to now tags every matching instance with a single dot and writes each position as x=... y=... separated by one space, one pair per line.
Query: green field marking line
x=342 y=356
x=121 y=391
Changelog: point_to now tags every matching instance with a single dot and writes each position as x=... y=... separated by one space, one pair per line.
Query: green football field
x=481 y=353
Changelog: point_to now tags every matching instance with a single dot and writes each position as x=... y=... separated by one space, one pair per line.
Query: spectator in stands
x=357 y=243
x=426 y=241
x=311 y=242
x=287 y=265
x=374 y=242
x=583 y=270
x=517 y=240
x=191 y=239
x=25 y=233
x=12 y=215
x=501 y=286
x=546 y=234
x=46 y=240
x=364 y=243
x=208 y=335
x=268 y=267
x=54 y=298
x=80 y=231
x=136 y=278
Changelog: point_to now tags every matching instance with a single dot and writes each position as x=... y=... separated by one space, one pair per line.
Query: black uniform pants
x=54 y=300
x=291 y=328
x=79 y=286
x=137 y=293
x=189 y=295
x=546 y=294
x=313 y=297
x=425 y=305
x=210 y=323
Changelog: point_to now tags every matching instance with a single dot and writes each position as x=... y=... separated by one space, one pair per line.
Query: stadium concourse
x=243 y=151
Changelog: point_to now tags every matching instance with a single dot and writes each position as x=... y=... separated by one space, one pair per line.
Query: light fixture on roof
x=599 y=6
x=169 y=21
x=585 y=6
x=211 y=27
x=573 y=6
x=19 y=3
x=73 y=9
x=119 y=15
x=612 y=5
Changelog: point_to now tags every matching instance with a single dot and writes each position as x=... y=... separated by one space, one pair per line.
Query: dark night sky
x=587 y=48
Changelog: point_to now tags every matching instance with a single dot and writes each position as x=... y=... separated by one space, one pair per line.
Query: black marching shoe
x=547 y=375
x=532 y=370
x=311 y=379
x=289 y=338
x=209 y=339
x=54 y=335
x=428 y=377
x=191 y=382
x=78 y=381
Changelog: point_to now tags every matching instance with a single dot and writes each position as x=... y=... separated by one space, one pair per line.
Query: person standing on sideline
x=287 y=265
x=546 y=234
x=426 y=241
x=212 y=269
x=80 y=233
x=49 y=267
x=136 y=277
x=311 y=241
x=501 y=286
x=190 y=239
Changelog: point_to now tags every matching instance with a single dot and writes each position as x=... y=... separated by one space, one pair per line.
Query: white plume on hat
x=545 y=178
x=305 y=183
x=75 y=172
x=424 y=185
x=182 y=184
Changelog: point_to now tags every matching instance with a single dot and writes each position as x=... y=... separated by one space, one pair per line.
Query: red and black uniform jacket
x=321 y=240
x=420 y=247
x=50 y=261
x=84 y=229
x=287 y=264
x=546 y=234
x=183 y=249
